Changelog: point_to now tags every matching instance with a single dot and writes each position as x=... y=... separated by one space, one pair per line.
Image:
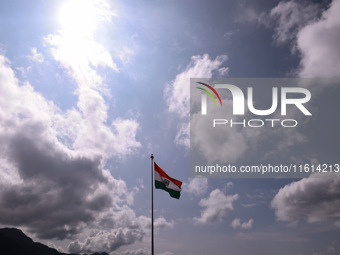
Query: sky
x=89 y=89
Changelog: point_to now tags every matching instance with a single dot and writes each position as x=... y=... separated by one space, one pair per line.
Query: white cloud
x=53 y=246
x=223 y=71
x=249 y=205
x=140 y=252
x=159 y=223
x=232 y=142
x=38 y=57
x=177 y=93
x=126 y=135
x=315 y=35
x=292 y=16
x=162 y=223
x=106 y=240
x=111 y=231
x=313 y=199
x=132 y=252
x=79 y=54
x=250 y=15
x=318 y=43
x=183 y=134
x=64 y=152
x=76 y=49
x=217 y=206
x=229 y=185
x=236 y=223
x=126 y=55
x=197 y=186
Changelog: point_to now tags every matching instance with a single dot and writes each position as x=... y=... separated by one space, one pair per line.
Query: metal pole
x=152 y=242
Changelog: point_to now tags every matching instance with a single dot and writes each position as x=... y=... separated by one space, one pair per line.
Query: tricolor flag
x=165 y=182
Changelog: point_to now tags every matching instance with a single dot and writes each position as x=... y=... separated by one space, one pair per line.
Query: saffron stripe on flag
x=165 y=182
x=164 y=175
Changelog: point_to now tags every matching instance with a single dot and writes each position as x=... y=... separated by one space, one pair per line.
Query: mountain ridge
x=14 y=242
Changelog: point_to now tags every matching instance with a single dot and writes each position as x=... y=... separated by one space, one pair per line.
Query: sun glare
x=78 y=16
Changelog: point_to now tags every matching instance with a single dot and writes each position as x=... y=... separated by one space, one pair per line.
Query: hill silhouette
x=14 y=242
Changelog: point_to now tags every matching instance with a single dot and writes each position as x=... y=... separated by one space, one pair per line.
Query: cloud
x=106 y=241
x=229 y=185
x=313 y=32
x=236 y=223
x=197 y=186
x=110 y=231
x=249 y=14
x=159 y=223
x=223 y=71
x=37 y=57
x=53 y=246
x=217 y=206
x=314 y=199
x=126 y=131
x=140 y=252
x=291 y=17
x=126 y=55
x=53 y=180
x=231 y=142
x=121 y=228
x=249 y=205
x=182 y=136
x=177 y=93
x=318 y=43
x=132 y=252
x=228 y=143
x=76 y=49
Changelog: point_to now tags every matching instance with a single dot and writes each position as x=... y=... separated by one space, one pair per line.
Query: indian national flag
x=165 y=182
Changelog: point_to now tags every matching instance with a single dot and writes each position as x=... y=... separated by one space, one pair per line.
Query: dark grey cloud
x=53 y=190
x=57 y=191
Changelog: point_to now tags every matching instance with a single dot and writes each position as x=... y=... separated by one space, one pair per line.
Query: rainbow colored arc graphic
x=212 y=89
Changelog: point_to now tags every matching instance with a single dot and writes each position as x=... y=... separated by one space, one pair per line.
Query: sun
x=78 y=17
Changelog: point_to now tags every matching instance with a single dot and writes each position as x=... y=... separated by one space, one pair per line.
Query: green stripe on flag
x=173 y=193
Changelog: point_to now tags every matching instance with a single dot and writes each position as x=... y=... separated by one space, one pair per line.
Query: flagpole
x=152 y=242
